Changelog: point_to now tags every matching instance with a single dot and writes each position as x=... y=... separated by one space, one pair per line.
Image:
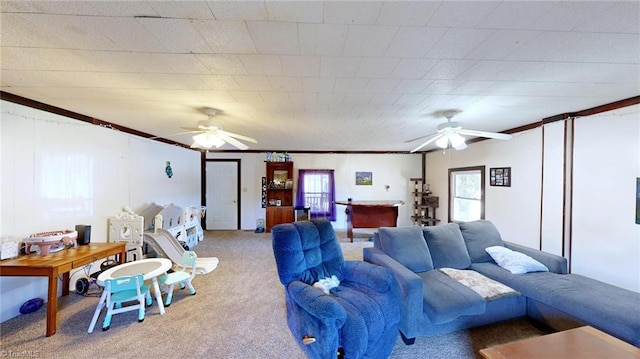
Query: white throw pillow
x=515 y=262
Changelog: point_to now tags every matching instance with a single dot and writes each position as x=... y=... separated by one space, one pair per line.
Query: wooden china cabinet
x=279 y=193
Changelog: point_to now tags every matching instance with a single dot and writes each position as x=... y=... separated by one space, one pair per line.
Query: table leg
x=65 y=283
x=52 y=302
x=158 y=294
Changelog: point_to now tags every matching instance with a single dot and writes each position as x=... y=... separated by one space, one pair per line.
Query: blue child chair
x=359 y=317
x=183 y=276
x=125 y=289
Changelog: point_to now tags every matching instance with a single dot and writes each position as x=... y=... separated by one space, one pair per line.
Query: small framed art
x=500 y=176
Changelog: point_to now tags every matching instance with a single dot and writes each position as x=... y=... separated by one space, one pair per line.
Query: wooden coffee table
x=582 y=342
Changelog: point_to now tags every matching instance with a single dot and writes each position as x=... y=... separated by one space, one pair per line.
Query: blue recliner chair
x=359 y=317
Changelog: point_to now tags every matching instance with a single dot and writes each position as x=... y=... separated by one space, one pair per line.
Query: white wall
x=388 y=169
x=57 y=172
x=605 y=239
x=514 y=210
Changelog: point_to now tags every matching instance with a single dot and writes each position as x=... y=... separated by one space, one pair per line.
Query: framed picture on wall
x=364 y=178
x=500 y=176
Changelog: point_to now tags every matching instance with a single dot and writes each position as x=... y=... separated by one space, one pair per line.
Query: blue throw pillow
x=479 y=235
x=407 y=246
x=447 y=246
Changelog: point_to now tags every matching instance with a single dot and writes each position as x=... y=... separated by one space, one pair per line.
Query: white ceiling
x=321 y=75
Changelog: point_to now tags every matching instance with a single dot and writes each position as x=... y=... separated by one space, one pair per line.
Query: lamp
x=208 y=140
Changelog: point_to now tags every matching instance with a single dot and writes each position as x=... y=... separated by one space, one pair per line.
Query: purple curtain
x=316 y=191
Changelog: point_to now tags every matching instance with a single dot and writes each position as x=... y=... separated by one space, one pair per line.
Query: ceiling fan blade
x=193 y=129
x=241 y=137
x=435 y=137
x=418 y=138
x=232 y=141
x=498 y=136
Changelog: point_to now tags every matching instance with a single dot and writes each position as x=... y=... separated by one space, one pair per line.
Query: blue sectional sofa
x=433 y=302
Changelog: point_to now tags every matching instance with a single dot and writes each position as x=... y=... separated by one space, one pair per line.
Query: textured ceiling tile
x=567 y=15
x=321 y=39
x=378 y=67
x=73 y=32
x=301 y=65
x=18 y=31
x=622 y=17
x=544 y=46
x=501 y=43
x=408 y=99
x=366 y=40
x=449 y=69
x=305 y=98
x=317 y=84
x=412 y=86
x=275 y=97
x=246 y=96
x=238 y=10
x=330 y=99
x=339 y=66
x=295 y=11
x=621 y=49
x=286 y=84
x=182 y=9
x=515 y=14
x=120 y=8
x=413 y=68
x=274 y=37
x=484 y=70
x=225 y=36
x=179 y=63
x=414 y=41
x=119 y=30
x=466 y=14
x=457 y=43
x=262 y=64
x=350 y=85
x=177 y=35
x=223 y=64
x=253 y=83
x=38 y=59
x=220 y=82
x=358 y=98
x=381 y=85
x=407 y=13
x=351 y=12
x=385 y=99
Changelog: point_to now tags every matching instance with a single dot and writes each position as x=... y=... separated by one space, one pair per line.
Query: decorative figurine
x=168 y=170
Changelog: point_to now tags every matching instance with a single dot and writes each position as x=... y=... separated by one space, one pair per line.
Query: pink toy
x=45 y=240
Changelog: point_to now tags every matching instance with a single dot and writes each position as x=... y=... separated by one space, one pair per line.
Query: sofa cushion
x=447 y=246
x=445 y=299
x=479 y=235
x=515 y=262
x=407 y=246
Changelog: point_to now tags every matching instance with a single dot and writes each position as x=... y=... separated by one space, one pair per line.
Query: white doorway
x=222 y=195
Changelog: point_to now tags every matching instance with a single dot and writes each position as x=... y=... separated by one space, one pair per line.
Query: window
x=466 y=194
x=316 y=191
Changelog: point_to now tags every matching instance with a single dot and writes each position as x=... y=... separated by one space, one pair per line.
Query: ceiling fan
x=209 y=135
x=450 y=134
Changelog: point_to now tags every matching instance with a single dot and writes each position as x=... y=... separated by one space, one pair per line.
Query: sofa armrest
x=315 y=302
x=555 y=263
x=409 y=285
x=368 y=274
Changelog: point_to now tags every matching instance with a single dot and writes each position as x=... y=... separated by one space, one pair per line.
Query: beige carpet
x=238 y=312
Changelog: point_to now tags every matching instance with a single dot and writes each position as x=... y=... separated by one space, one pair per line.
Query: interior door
x=222 y=195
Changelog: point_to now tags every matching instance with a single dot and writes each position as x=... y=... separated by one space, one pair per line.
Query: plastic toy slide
x=166 y=245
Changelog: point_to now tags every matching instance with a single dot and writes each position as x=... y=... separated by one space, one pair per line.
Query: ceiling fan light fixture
x=443 y=142
x=208 y=140
x=456 y=139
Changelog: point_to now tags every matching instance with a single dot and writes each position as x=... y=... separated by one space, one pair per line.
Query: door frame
x=203 y=179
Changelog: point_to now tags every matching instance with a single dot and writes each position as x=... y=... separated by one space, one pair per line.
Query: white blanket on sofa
x=488 y=288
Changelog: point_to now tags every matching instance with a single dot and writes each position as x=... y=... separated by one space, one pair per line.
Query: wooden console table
x=582 y=342
x=370 y=214
x=51 y=265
